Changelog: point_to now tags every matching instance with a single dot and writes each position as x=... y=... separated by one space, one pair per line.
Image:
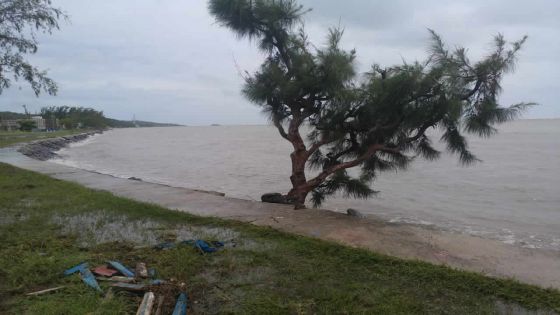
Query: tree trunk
x=299 y=191
x=299 y=157
x=297 y=196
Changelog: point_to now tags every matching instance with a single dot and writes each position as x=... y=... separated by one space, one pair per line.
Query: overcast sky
x=167 y=61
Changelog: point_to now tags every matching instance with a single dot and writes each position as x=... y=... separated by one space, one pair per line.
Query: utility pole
x=134 y=121
x=26 y=112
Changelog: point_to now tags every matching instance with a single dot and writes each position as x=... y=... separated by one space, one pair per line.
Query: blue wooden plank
x=87 y=277
x=76 y=268
x=121 y=268
x=181 y=305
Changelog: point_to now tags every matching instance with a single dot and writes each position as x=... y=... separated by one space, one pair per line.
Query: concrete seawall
x=535 y=266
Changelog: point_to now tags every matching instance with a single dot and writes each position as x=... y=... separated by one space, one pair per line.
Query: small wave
x=412 y=221
x=88 y=140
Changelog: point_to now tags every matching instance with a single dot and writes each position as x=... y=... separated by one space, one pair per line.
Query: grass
x=48 y=225
x=8 y=138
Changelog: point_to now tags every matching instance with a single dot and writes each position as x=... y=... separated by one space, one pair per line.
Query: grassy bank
x=47 y=225
x=8 y=138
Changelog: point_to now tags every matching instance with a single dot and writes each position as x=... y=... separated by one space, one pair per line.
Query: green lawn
x=8 y=138
x=48 y=225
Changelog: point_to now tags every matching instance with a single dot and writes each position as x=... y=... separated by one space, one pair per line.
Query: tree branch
x=317 y=180
x=281 y=129
x=474 y=90
x=314 y=147
x=420 y=132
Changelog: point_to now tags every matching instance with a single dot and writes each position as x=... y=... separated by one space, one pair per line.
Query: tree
x=74 y=117
x=377 y=121
x=27 y=125
x=20 y=23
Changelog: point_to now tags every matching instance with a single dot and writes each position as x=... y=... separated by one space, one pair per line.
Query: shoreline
x=491 y=200
x=398 y=221
x=45 y=149
x=490 y=257
x=508 y=236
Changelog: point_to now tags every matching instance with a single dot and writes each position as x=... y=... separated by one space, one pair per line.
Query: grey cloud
x=169 y=61
x=373 y=14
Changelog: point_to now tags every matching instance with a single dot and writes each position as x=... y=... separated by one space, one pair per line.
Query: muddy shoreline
x=43 y=150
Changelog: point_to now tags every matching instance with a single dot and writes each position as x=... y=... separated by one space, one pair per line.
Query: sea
x=512 y=195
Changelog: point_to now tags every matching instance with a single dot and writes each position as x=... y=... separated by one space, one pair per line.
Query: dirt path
x=535 y=266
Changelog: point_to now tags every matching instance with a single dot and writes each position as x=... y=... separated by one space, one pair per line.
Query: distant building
x=52 y=123
x=39 y=122
x=9 y=124
x=13 y=124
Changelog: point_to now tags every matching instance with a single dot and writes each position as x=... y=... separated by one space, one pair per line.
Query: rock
x=274 y=198
x=211 y=192
x=45 y=149
x=135 y=178
x=354 y=213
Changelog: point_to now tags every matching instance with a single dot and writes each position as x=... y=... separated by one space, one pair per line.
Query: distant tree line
x=72 y=117
x=12 y=116
x=115 y=123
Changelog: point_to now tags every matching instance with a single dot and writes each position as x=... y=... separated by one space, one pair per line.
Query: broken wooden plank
x=116 y=279
x=141 y=270
x=181 y=305
x=85 y=273
x=147 y=304
x=129 y=286
x=89 y=279
x=77 y=268
x=45 y=291
x=121 y=268
x=159 y=307
x=104 y=271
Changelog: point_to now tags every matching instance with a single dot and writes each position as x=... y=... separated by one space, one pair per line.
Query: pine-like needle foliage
x=20 y=22
x=376 y=121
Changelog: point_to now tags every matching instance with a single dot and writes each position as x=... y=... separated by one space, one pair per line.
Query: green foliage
x=20 y=22
x=27 y=125
x=340 y=180
x=75 y=117
x=377 y=121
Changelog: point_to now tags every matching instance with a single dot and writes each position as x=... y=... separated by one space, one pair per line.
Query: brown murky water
x=513 y=196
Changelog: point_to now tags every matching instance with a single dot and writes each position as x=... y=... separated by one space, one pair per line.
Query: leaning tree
x=337 y=119
x=20 y=23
